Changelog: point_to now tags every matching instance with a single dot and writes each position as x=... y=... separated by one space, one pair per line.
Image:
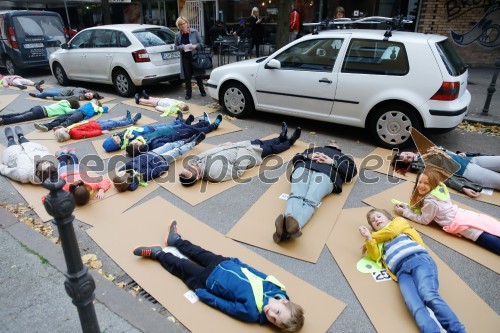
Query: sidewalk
x=479 y=81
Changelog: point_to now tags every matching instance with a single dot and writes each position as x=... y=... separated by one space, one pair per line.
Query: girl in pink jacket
x=430 y=201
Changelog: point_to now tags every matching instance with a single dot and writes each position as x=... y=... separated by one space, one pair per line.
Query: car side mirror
x=65 y=46
x=273 y=63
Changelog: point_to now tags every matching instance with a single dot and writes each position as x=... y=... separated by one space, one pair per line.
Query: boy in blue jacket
x=87 y=111
x=228 y=284
x=145 y=167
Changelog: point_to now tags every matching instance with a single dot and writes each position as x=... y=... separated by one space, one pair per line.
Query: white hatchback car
x=125 y=55
x=353 y=77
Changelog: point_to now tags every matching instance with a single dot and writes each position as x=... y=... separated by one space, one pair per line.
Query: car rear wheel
x=60 y=75
x=11 y=67
x=123 y=84
x=236 y=100
x=390 y=126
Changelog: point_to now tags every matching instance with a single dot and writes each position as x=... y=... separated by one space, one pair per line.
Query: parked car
x=28 y=37
x=125 y=55
x=353 y=77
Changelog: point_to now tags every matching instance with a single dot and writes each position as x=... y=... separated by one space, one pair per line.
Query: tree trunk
x=106 y=13
x=283 y=25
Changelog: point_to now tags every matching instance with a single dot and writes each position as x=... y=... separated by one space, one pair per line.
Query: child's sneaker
x=180 y=117
x=41 y=127
x=151 y=251
x=38 y=84
x=172 y=238
x=128 y=115
x=189 y=120
x=206 y=118
x=137 y=117
x=199 y=138
x=145 y=94
x=137 y=98
x=32 y=94
x=218 y=120
x=21 y=86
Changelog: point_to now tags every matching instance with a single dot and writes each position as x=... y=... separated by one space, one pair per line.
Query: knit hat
x=109 y=145
x=242 y=21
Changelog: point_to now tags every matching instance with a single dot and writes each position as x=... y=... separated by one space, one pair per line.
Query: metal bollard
x=79 y=283
x=491 y=88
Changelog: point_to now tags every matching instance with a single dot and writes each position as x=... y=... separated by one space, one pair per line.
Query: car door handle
x=325 y=81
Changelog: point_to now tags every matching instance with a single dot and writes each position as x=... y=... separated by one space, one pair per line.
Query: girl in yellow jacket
x=402 y=252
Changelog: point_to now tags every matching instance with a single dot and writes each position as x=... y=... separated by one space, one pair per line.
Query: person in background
x=339 y=12
x=257 y=31
x=79 y=94
x=243 y=31
x=19 y=82
x=294 y=24
x=217 y=32
x=188 y=42
x=168 y=106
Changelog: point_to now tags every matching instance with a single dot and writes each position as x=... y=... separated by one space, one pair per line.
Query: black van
x=28 y=37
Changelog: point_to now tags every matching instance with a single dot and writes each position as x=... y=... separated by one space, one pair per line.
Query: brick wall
x=444 y=16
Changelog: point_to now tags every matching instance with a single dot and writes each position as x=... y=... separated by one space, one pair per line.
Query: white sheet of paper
x=487 y=191
x=283 y=196
x=191 y=296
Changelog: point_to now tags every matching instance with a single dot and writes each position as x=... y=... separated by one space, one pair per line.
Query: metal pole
x=79 y=283
x=67 y=15
x=491 y=88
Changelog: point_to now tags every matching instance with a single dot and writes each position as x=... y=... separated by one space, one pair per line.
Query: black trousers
x=272 y=146
x=189 y=72
x=66 y=119
x=193 y=272
x=36 y=112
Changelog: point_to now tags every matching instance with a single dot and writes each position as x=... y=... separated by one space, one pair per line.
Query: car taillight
x=12 y=38
x=448 y=92
x=141 y=56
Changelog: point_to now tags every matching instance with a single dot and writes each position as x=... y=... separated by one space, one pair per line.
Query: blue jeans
x=171 y=150
x=108 y=125
x=418 y=281
x=307 y=189
x=48 y=93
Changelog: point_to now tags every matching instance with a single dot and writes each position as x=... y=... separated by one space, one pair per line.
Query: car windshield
x=39 y=25
x=147 y=38
x=451 y=59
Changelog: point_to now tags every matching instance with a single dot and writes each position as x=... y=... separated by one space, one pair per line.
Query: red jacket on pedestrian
x=294 y=21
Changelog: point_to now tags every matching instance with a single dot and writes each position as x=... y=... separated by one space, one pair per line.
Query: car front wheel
x=123 y=84
x=60 y=75
x=236 y=100
x=390 y=126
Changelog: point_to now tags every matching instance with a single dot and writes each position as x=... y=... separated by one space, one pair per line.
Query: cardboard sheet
x=493 y=198
x=120 y=236
x=6 y=100
x=383 y=302
x=50 y=100
x=224 y=128
x=204 y=190
x=464 y=246
x=257 y=226
x=194 y=109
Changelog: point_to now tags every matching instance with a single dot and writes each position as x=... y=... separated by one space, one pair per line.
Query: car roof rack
x=392 y=23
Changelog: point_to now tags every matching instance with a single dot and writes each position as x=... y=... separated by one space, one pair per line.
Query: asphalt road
x=223 y=211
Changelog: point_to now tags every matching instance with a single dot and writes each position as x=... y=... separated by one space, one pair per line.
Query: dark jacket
x=149 y=165
x=228 y=290
x=343 y=170
x=257 y=30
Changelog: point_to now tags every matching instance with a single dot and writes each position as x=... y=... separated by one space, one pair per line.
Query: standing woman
x=187 y=41
x=257 y=29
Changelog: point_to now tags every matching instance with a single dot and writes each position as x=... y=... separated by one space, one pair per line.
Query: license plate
x=170 y=55
x=33 y=45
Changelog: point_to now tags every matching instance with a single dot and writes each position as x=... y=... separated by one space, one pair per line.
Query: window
x=454 y=64
x=147 y=38
x=165 y=35
x=105 y=38
x=82 y=40
x=42 y=25
x=312 y=55
x=376 y=57
x=123 y=40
